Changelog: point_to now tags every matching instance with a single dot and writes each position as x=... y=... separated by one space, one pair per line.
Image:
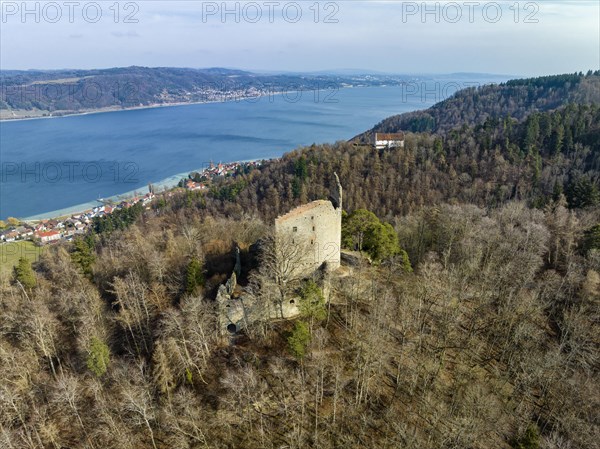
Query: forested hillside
x=516 y=98
x=486 y=336
x=70 y=91
x=535 y=160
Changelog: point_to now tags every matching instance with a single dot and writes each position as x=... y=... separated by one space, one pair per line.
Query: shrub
x=98 y=358
x=529 y=440
x=299 y=339
x=312 y=301
x=194 y=276
x=24 y=273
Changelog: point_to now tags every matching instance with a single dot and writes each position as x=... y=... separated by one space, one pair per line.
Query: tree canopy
x=363 y=231
x=24 y=274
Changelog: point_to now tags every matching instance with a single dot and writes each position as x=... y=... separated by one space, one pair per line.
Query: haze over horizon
x=332 y=71
x=534 y=38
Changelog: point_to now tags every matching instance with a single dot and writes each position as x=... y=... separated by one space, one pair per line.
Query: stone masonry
x=317 y=227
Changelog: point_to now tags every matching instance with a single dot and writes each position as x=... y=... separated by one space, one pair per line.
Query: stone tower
x=316 y=228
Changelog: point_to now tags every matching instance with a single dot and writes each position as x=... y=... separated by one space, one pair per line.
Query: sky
x=516 y=38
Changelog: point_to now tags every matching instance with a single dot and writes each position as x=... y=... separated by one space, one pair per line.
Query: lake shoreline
x=53 y=166
x=166 y=184
x=109 y=109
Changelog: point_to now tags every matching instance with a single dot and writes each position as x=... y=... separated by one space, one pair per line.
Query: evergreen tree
x=98 y=357
x=557 y=191
x=312 y=301
x=161 y=370
x=582 y=193
x=529 y=440
x=591 y=239
x=382 y=242
x=296 y=188
x=362 y=230
x=532 y=131
x=83 y=254
x=299 y=339
x=24 y=273
x=194 y=276
x=301 y=169
x=558 y=139
x=356 y=228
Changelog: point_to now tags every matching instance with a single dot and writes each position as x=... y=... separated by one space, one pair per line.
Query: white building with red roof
x=48 y=236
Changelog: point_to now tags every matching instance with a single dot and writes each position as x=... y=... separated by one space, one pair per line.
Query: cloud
x=128 y=34
x=372 y=32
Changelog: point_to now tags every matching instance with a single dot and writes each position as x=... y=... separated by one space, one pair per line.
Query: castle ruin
x=315 y=228
x=307 y=240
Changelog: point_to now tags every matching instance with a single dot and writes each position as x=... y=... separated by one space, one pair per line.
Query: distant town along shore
x=67 y=227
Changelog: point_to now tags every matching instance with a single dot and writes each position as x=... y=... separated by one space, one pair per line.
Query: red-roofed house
x=48 y=236
x=191 y=185
x=388 y=140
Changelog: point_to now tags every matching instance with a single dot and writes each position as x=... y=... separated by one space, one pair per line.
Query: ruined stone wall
x=312 y=234
x=237 y=313
x=237 y=309
x=317 y=228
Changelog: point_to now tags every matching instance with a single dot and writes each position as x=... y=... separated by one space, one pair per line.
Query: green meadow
x=11 y=252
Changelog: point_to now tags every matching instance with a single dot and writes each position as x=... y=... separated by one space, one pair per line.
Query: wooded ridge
x=470 y=321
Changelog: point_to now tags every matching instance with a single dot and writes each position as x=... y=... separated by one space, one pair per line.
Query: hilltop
x=485 y=336
x=515 y=98
x=550 y=148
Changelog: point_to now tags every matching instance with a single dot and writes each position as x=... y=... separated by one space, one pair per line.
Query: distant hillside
x=59 y=92
x=537 y=159
x=517 y=98
x=24 y=77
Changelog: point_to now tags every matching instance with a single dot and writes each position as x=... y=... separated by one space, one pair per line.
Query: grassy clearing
x=11 y=252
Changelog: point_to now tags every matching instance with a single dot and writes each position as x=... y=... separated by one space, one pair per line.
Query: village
x=55 y=229
x=202 y=179
x=48 y=231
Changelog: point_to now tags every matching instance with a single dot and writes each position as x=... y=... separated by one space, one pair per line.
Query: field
x=11 y=252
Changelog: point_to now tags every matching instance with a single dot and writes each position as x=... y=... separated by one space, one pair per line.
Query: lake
x=59 y=165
